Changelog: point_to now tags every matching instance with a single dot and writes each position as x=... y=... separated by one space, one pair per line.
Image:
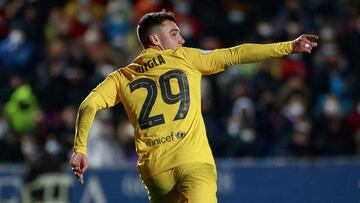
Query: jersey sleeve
x=102 y=97
x=213 y=61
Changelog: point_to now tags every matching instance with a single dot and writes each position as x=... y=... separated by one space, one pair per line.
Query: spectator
x=125 y=135
x=16 y=53
x=215 y=129
x=332 y=135
x=105 y=151
x=22 y=106
x=266 y=115
x=241 y=124
x=293 y=137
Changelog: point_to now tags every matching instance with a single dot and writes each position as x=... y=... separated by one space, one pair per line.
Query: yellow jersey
x=160 y=91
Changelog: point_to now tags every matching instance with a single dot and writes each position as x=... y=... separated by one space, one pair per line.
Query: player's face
x=169 y=35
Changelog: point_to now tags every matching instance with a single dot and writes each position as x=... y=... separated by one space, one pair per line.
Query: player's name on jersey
x=156 y=61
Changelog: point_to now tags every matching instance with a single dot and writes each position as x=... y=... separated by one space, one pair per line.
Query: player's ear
x=154 y=39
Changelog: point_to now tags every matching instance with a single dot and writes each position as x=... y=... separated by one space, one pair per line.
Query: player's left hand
x=305 y=43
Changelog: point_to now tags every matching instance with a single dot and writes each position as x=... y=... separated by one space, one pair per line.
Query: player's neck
x=157 y=47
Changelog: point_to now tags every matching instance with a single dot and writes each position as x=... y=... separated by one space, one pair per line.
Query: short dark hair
x=150 y=20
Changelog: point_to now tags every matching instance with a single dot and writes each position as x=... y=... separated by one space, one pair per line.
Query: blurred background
x=294 y=113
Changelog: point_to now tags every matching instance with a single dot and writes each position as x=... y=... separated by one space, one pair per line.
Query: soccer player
x=160 y=91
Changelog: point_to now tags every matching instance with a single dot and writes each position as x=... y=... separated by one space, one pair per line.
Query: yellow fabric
x=161 y=91
x=191 y=182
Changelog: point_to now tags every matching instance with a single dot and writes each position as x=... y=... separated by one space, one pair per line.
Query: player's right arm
x=103 y=96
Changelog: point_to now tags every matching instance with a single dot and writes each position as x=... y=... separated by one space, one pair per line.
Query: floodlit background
x=293 y=114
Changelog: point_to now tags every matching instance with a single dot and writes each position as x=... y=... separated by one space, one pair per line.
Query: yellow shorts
x=186 y=183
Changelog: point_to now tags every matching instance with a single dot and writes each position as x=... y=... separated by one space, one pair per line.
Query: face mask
x=233 y=128
x=292 y=28
x=331 y=107
x=16 y=37
x=52 y=146
x=327 y=34
x=84 y=17
x=236 y=16
x=264 y=29
x=28 y=148
x=105 y=69
x=183 y=8
x=247 y=135
x=294 y=110
x=92 y=36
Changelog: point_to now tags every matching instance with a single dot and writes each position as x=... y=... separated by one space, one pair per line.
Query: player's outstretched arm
x=305 y=43
x=79 y=164
x=250 y=53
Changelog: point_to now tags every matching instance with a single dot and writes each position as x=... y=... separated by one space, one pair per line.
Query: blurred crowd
x=52 y=53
